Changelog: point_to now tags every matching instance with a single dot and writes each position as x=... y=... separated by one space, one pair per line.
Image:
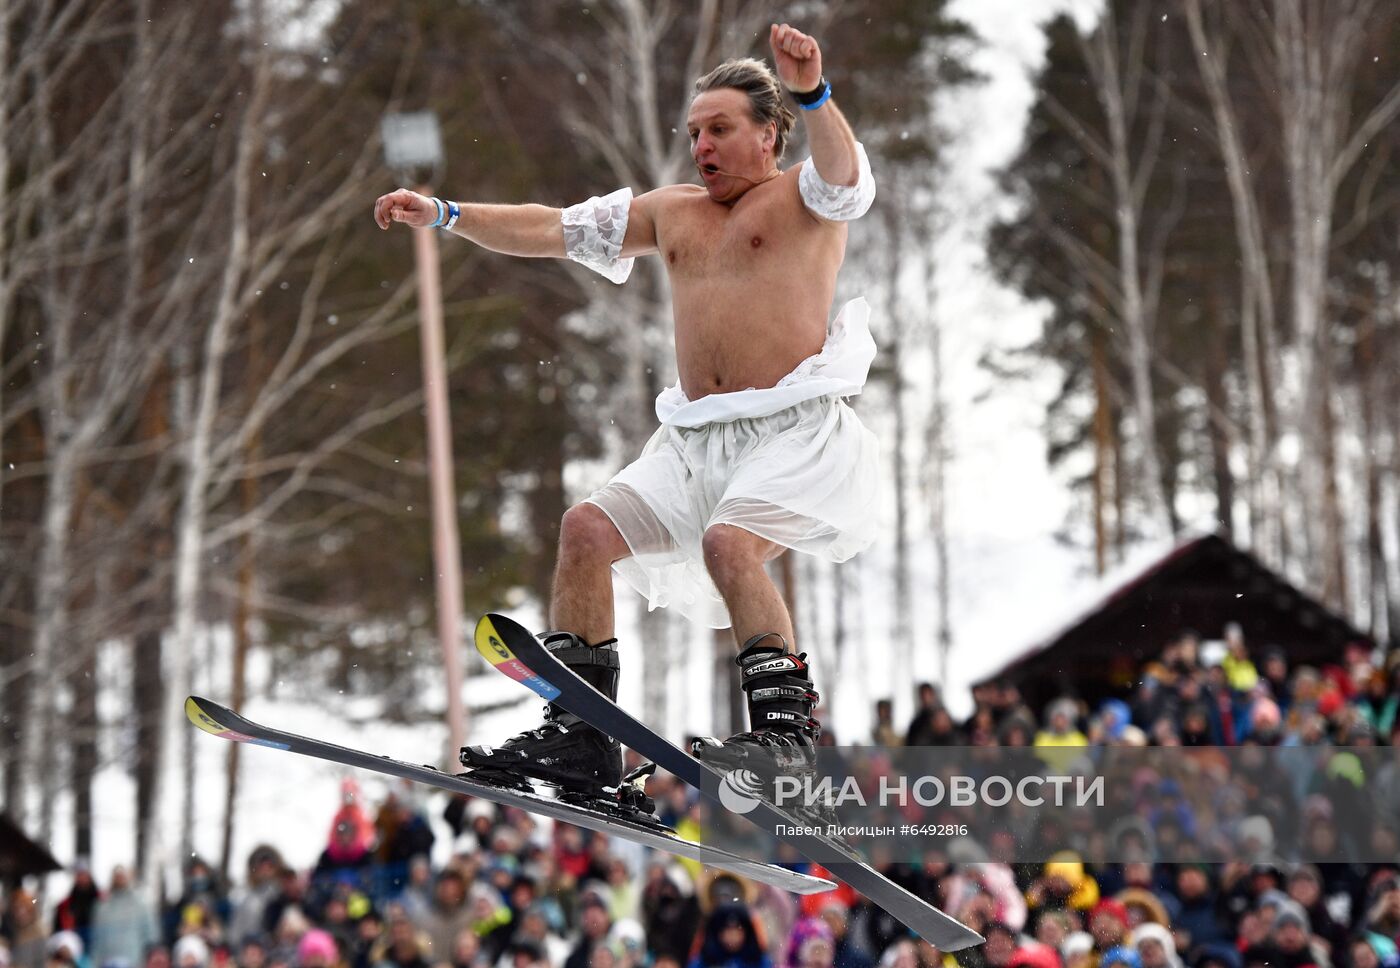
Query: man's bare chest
x=703 y=239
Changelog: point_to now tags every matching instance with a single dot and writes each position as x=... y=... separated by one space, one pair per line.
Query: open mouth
x=709 y=169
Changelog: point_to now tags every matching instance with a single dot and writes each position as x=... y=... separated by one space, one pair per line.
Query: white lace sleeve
x=839 y=203
x=593 y=234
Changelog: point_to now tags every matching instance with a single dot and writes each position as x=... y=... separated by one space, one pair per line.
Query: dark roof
x=20 y=856
x=1203 y=583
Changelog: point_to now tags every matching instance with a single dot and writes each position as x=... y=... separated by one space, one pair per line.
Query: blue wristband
x=441 y=213
x=454 y=211
x=825 y=96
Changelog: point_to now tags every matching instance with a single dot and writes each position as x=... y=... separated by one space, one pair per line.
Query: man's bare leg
x=778 y=688
x=572 y=755
x=582 y=597
x=735 y=558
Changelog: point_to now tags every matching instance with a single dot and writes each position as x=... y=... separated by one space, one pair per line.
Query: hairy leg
x=582 y=598
x=735 y=559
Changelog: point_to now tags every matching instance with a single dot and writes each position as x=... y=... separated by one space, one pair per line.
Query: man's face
x=1191 y=882
x=1152 y=952
x=449 y=891
x=999 y=947
x=1291 y=937
x=595 y=921
x=1106 y=929
x=726 y=142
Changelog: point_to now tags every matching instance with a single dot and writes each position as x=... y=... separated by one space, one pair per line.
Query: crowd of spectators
x=519 y=893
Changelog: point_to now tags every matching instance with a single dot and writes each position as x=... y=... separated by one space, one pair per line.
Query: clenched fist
x=797 y=58
x=414 y=210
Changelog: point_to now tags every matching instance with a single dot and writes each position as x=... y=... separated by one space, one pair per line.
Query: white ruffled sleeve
x=593 y=234
x=839 y=203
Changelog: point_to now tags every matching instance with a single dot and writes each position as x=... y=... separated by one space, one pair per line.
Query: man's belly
x=743 y=348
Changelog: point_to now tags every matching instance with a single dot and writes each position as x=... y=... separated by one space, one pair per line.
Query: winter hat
x=1067 y=866
x=1305 y=872
x=806 y=930
x=316 y=943
x=1116 y=716
x=1133 y=736
x=1114 y=908
x=65 y=939
x=1120 y=955
x=1034 y=955
x=1258 y=829
x=528 y=947
x=191 y=946
x=630 y=935
x=1151 y=906
x=1076 y=943
x=1220 y=953
x=1291 y=913
x=1160 y=934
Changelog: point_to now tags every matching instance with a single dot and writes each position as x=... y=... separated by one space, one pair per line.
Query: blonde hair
x=754 y=78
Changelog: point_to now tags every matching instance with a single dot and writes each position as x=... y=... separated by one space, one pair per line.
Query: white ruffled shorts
x=806 y=477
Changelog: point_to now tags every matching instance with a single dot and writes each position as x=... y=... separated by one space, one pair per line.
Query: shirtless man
x=757 y=452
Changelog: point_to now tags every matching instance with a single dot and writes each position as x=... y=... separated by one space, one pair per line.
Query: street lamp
x=413 y=149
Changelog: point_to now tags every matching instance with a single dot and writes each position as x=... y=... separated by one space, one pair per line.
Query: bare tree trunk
x=147 y=699
x=1258 y=324
x=84 y=749
x=7 y=13
x=1306 y=131
x=1120 y=490
x=938 y=450
x=1130 y=178
x=901 y=627
x=1103 y=448
x=1216 y=366
x=10 y=686
x=1377 y=583
x=1317 y=49
x=198 y=469
x=243 y=607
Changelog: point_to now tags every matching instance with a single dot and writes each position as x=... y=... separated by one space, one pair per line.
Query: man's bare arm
x=799 y=63
x=523 y=230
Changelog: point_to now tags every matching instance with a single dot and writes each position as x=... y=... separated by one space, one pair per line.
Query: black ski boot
x=782 y=734
x=565 y=751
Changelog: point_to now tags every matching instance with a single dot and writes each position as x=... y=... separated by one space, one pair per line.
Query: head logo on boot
x=786 y=663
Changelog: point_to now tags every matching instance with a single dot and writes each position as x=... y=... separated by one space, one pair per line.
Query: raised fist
x=414 y=210
x=797 y=58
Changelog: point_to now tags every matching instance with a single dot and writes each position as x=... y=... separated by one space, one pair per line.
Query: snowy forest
x=211 y=411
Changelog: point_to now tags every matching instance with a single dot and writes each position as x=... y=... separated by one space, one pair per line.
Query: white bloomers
x=791 y=463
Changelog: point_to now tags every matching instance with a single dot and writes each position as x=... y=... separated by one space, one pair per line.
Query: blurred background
x=1130 y=268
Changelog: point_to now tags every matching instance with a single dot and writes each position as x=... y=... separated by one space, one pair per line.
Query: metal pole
x=446 y=554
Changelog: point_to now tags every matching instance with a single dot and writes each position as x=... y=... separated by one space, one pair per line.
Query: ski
x=514 y=651
x=227 y=724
